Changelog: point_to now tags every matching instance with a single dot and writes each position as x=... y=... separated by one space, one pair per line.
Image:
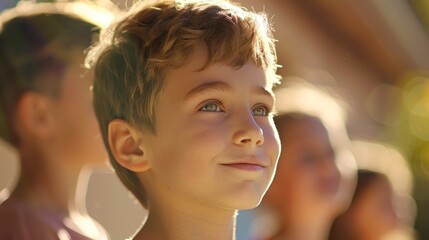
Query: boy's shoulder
x=18 y=221
x=21 y=221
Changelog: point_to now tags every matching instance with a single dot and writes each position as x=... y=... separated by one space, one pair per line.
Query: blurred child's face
x=77 y=133
x=215 y=142
x=307 y=178
x=372 y=212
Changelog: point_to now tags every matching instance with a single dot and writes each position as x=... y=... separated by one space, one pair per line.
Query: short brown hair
x=36 y=40
x=134 y=54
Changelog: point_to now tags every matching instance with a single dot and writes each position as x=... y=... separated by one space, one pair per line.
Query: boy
x=183 y=95
x=304 y=193
x=48 y=118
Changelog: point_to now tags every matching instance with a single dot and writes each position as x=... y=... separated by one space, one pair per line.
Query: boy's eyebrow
x=210 y=86
x=263 y=91
x=223 y=86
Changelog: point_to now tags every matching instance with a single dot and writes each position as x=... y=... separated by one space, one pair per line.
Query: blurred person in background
x=303 y=193
x=47 y=116
x=371 y=215
x=377 y=57
x=315 y=174
x=382 y=206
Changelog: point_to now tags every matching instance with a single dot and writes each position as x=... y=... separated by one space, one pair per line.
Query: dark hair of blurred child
x=371 y=214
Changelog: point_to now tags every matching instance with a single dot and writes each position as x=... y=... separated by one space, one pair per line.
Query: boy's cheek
x=272 y=140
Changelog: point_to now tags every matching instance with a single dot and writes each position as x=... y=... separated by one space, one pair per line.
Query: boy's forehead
x=197 y=58
x=192 y=79
x=198 y=61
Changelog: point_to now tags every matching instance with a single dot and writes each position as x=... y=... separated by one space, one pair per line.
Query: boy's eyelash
x=271 y=111
x=212 y=101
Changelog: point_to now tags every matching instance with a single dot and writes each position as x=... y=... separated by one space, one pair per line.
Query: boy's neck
x=174 y=221
x=47 y=182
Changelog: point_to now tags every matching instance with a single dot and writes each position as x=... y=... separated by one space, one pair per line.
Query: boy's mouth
x=248 y=164
x=245 y=166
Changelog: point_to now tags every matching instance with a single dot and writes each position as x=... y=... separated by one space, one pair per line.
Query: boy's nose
x=248 y=132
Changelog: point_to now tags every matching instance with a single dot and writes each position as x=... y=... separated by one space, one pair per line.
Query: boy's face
x=77 y=134
x=215 y=142
x=307 y=178
x=373 y=213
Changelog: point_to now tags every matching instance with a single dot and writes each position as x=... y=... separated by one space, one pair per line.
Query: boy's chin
x=250 y=206
x=245 y=204
x=245 y=200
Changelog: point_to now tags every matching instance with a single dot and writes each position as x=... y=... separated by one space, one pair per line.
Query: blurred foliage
x=410 y=132
x=421 y=7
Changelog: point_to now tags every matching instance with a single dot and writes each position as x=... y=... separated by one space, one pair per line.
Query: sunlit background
x=371 y=56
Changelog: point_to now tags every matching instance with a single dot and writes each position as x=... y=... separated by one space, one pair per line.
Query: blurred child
x=303 y=193
x=183 y=94
x=371 y=215
x=48 y=117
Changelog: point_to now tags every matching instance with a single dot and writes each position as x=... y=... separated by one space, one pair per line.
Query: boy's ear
x=34 y=115
x=124 y=142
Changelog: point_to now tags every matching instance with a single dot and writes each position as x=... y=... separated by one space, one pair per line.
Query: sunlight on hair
x=98 y=12
x=385 y=159
x=98 y=15
x=63 y=235
x=388 y=160
x=299 y=95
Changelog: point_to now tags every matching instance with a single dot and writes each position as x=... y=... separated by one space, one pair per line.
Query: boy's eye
x=211 y=107
x=260 y=111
